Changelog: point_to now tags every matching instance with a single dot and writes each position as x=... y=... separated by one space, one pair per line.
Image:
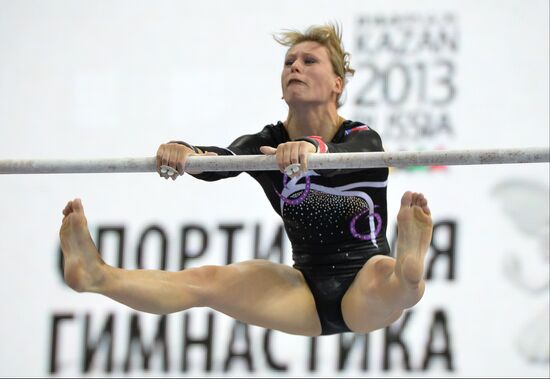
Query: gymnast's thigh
x=266 y=294
x=366 y=305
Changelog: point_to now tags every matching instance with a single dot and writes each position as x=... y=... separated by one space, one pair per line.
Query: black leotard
x=334 y=219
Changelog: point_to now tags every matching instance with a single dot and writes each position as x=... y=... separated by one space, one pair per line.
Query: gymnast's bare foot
x=84 y=268
x=414 y=233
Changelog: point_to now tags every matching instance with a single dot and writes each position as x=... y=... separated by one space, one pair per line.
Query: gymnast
x=343 y=278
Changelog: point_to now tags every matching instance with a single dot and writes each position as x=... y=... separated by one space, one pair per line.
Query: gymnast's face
x=308 y=76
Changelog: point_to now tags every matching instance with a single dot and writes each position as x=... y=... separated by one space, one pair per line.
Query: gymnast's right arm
x=175 y=153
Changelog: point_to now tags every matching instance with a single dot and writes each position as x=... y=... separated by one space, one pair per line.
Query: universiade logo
x=525 y=206
x=407 y=83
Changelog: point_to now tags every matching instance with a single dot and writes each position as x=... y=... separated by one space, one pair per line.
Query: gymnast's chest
x=325 y=210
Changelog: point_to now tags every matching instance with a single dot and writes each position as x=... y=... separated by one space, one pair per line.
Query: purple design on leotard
x=300 y=198
x=365 y=237
x=374 y=218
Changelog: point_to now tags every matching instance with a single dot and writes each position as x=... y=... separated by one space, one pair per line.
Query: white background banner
x=96 y=79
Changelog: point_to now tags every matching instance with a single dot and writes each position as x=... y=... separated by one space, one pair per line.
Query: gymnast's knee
x=381 y=266
x=202 y=280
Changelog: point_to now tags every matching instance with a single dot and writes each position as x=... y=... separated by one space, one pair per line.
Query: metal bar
x=265 y=163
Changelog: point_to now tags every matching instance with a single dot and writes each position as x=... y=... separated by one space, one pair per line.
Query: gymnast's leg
x=385 y=286
x=256 y=292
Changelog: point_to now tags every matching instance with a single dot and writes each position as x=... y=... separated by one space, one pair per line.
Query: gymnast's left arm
x=358 y=139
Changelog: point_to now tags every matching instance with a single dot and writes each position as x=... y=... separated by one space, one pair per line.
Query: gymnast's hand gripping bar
x=267 y=162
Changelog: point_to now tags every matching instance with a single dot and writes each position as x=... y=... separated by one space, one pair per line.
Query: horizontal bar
x=265 y=163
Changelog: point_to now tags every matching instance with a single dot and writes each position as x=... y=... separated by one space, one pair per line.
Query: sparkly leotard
x=334 y=219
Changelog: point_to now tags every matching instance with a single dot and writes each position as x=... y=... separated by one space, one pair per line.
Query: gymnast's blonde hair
x=328 y=35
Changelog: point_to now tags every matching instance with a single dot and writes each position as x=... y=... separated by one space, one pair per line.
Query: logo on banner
x=525 y=206
x=406 y=69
